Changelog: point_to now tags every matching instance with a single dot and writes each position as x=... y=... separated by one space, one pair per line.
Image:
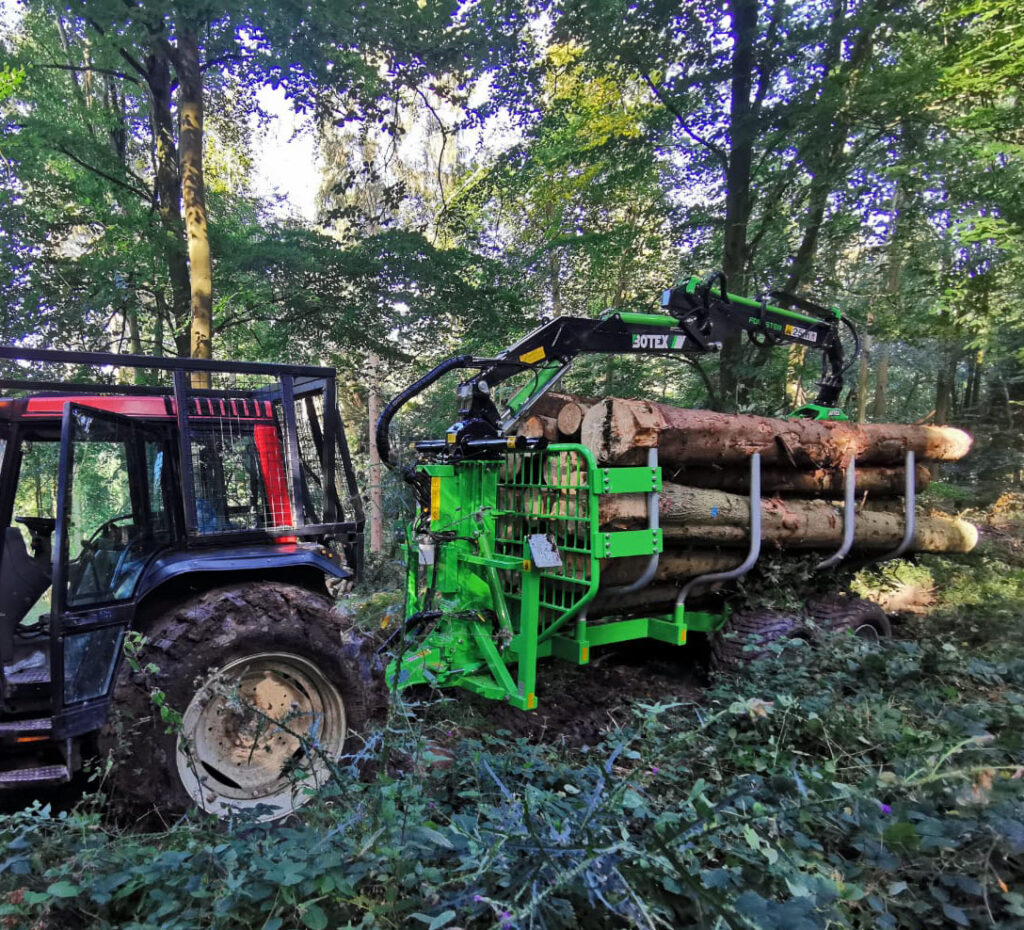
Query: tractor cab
x=116 y=498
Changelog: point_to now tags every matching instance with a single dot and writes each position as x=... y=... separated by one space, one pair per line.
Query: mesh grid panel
x=548 y=494
x=242 y=467
x=238 y=455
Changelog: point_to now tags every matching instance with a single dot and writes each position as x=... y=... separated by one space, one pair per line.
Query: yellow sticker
x=435 y=498
x=534 y=355
x=531 y=701
x=585 y=654
x=511 y=442
x=789 y=329
x=451 y=438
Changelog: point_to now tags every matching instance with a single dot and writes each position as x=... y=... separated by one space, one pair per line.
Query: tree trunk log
x=538 y=427
x=620 y=431
x=674 y=564
x=549 y=405
x=570 y=420
x=712 y=518
x=878 y=481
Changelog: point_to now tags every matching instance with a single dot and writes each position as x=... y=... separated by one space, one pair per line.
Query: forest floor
x=850 y=784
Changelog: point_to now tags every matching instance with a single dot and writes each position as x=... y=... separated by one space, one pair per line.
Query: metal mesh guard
x=548 y=493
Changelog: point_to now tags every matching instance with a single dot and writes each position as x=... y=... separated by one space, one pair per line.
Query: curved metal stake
x=653 y=522
x=755 y=540
x=910 y=509
x=849 y=516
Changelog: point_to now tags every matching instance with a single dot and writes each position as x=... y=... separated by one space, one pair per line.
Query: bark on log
x=570 y=420
x=674 y=564
x=711 y=517
x=549 y=405
x=620 y=431
x=828 y=482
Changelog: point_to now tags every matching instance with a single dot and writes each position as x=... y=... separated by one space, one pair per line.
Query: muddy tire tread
x=205 y=632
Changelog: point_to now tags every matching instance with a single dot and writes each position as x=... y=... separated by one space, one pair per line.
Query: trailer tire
x=188 y=714
x=847 y=613
x=749 y=634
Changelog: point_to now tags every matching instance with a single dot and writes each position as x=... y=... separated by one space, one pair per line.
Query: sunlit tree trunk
x=190 y=115
x=167 y=185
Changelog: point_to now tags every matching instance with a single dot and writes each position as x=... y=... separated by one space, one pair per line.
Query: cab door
x=113 y=518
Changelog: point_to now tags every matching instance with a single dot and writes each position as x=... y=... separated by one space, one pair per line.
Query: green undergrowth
x=845 y=785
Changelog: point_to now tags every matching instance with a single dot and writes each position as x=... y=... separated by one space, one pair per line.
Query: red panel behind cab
x=268 y=447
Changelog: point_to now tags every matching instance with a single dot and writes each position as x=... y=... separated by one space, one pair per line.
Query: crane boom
x=697 y=321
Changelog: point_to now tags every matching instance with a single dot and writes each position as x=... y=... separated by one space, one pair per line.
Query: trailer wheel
x=748 y=635
x=270 y=687
x=846 y=612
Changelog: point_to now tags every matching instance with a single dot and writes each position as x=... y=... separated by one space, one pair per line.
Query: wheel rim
x=867 y=631
x=260 y=731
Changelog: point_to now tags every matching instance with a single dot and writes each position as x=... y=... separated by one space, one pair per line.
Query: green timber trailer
x=504 y=555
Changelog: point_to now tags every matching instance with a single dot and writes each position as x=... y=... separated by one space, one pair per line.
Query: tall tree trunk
x=737 y=182
x=376 y=514
x=167 y=186
x=974 y=394
x=881 y=398
x=555 y=268
x=945 y=385
x=863 y=373
x=827 y=158
x=190 y=115
x=131 y=317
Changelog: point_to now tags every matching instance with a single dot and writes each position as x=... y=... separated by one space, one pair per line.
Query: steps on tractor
x=26 y=680
x=30 y=755
x=27 y=727
x=34 y=775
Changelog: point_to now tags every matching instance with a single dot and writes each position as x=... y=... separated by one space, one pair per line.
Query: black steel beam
x=162 y=363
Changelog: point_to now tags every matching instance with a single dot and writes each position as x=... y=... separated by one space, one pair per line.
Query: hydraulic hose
x=396 y=403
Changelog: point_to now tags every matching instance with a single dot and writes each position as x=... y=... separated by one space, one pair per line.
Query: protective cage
x=262 y=448
x=157 y=466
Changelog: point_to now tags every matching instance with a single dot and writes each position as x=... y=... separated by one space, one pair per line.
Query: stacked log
x=704 y=509
x=620 y=431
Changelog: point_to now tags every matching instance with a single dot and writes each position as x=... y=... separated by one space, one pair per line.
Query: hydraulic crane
x=504 y=557
x=697 y=321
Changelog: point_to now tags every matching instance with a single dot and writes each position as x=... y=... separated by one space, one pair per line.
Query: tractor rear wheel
x=258 y=689
x=846 y=612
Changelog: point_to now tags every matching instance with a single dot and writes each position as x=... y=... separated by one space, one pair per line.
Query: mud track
x=582 y=705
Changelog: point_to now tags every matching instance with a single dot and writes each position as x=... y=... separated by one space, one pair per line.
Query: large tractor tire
x=749 y=634
x=271 y=687
x=845 y=612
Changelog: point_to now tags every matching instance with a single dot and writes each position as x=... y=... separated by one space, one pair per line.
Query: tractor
x=169 y=527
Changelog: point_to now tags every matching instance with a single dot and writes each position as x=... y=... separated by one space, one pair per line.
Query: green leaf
x=442 y=920
x=437 y=837
x=955 y=914
x=314 y=917
x=64 y=890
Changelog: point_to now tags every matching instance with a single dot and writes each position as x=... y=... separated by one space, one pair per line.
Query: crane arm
x=697 y=321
